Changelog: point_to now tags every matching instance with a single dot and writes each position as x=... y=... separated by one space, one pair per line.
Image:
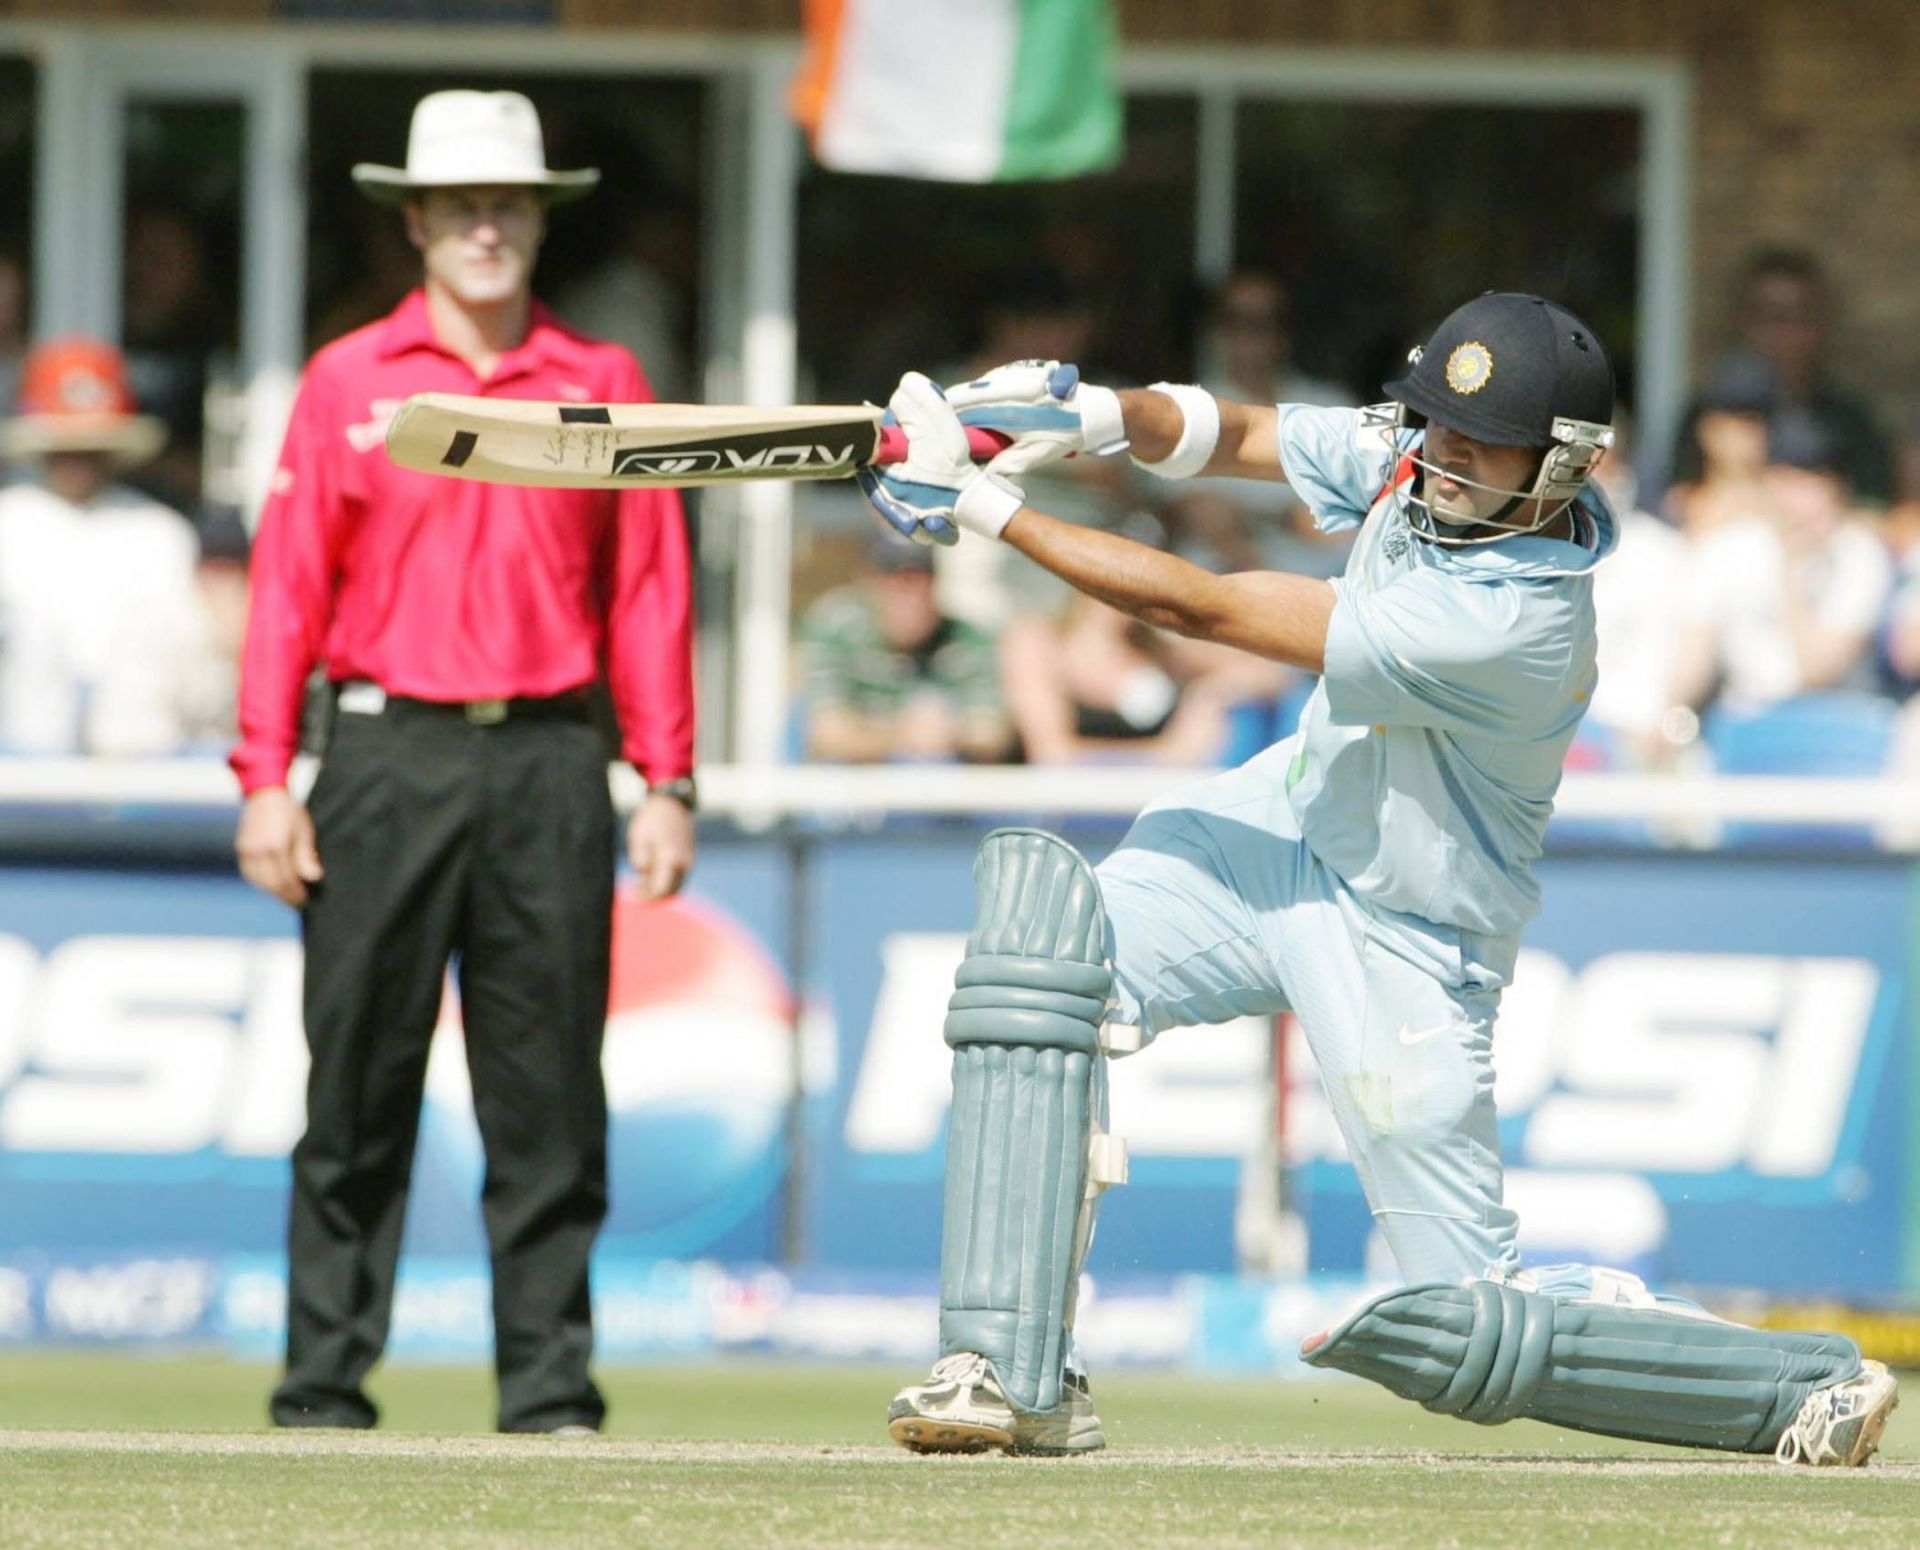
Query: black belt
x=574 y=705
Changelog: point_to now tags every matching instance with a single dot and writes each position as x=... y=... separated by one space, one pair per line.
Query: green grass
x=100 y=1450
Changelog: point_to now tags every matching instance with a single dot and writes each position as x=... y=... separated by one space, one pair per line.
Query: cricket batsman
x=1372 y=873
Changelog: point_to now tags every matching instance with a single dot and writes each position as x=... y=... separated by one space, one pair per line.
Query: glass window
x=180 y=290
x=1380 y=219
x=951 y=279
x=624 y=264
x=897 y=274
x=18 y=81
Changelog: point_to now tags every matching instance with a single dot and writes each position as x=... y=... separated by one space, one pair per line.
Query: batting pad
x=1024 y=1024
x=1492 y=1353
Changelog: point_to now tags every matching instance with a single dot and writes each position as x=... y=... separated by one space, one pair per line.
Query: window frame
x=748 y=328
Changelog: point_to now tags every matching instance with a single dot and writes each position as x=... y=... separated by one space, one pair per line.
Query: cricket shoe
x=961 y=1408
x=1841 y=1424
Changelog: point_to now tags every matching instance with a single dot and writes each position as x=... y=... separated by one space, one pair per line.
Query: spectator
x=221 y=580
x=1785 y=602
x=642 y=296
x=1900 y=634
x=887 y=676
x=1248 y=350
x=1093 y=686
x=1033 y=312
x=1900 y=641
x=1784 y=322
x=1638 y=598
x=174 y=324
x=1727 y=438
x=108 y=647
x=13 y=326
x=388 y=268
x=1237 y=524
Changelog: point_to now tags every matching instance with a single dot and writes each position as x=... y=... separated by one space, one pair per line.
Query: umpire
x=462 y=811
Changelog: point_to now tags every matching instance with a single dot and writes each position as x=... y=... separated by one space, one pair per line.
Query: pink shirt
x=447 y=589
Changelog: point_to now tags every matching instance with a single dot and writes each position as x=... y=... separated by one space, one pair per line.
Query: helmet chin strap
x=1499 y=520
x=1558 y=477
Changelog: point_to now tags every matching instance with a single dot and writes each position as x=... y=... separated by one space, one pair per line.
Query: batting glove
x=937 y=490
x=1047 y=410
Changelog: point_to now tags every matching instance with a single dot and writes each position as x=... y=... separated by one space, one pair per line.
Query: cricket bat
x=642 y=446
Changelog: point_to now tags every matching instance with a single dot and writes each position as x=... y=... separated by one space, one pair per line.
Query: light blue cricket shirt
x=1455 y=677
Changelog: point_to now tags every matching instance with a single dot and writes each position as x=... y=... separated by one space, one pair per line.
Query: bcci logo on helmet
x=1469 y=367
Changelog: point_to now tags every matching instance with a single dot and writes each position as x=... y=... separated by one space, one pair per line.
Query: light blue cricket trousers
x=1217 y=910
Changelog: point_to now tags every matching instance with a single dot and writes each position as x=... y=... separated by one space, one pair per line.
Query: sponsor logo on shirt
x=372 y=431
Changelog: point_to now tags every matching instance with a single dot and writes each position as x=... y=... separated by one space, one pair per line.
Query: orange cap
x=76 y=376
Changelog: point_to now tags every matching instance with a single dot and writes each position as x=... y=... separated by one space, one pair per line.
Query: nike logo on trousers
x=1408 y=1036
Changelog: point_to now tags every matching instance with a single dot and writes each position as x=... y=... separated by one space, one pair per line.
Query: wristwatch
x=682 y=790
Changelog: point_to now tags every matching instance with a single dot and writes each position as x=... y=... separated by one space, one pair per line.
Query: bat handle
x=981 y=443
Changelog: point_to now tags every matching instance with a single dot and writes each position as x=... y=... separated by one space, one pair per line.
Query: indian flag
x=961 y=91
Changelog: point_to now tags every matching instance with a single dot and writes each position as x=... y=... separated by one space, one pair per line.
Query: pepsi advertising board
x=1705 y=1069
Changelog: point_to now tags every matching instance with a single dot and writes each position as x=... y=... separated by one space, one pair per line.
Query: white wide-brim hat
x=125 y=439
x=468 y=139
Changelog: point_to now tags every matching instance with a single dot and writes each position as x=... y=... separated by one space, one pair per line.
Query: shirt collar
x=1536 y=556
x=548 y=343
x=407 y=328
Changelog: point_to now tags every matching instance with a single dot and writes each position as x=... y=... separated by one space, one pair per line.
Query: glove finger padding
x=937 y=487
x=936 y=441
x=1024 y=456
x=1045 y=408
x=1017 y=382
x=917 y=497
x=896 y=505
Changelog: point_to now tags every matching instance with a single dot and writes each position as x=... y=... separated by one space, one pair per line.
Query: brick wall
x=1804 y=131
x=1806 y=127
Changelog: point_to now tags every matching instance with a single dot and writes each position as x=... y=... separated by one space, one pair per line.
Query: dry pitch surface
x=104 y=1451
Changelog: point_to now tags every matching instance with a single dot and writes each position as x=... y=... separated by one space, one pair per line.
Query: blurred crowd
x=1762 y=612
x=120 y=618
x=123 y=586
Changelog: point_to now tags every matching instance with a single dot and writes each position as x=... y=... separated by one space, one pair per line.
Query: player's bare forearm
x=1249 y=444
x=1269 y=613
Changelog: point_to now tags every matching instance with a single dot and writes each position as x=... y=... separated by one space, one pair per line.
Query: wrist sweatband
x=987 y=504
x=1198 y=435
x=1101 y=426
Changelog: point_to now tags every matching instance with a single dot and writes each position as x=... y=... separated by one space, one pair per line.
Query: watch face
x=681 y=790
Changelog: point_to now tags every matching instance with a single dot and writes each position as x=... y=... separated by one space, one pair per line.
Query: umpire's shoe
x=961 y=1408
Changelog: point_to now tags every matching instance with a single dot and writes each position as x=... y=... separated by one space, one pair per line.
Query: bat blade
x=629 y=446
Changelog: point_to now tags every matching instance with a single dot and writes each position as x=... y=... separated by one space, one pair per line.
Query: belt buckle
x=360 y=698
x=485 y=713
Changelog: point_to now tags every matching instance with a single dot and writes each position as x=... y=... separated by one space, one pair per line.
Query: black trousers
x=492 y=845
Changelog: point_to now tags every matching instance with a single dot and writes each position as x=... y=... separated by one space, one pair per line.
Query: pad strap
x=1006 y=999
